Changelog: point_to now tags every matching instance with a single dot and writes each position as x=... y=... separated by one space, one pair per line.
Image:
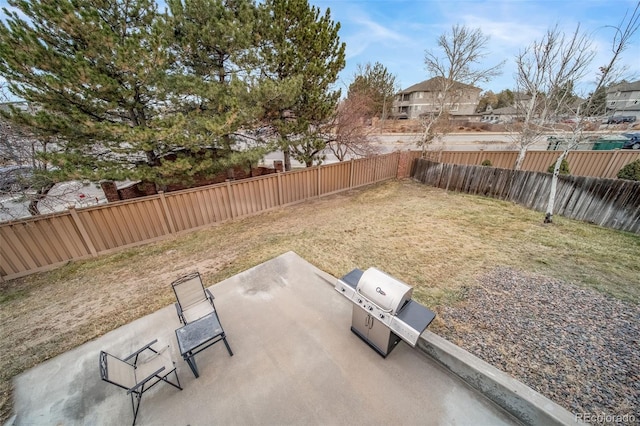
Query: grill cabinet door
x=374 y=332
x=360 y=321
x=380 y=335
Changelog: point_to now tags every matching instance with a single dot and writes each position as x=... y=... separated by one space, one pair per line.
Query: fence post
x=230 y=196
x=319 y=183
x=375 y=168
x=351 y=173
x=83 y=232
x=280 y=194
x=167 y=213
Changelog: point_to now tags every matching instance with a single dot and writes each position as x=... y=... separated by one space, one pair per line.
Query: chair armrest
x=142 y=349
x=209 y=295
x=179 y=312
x=146 y=379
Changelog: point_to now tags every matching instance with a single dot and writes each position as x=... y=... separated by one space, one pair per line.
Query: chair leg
x=136 y=407
x=166 y=379
x=224 y=339
x=175 y=371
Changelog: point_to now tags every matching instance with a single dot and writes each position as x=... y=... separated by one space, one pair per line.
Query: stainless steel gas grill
x=383 y=312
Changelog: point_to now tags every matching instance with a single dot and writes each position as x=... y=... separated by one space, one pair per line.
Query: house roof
x=434 y=84
x=504 y=110
x=625 y=87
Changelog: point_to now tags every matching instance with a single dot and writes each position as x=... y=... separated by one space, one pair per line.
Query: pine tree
x=129 y=92
x=215 y=45
x=95 y=70
x=303 y=47
x=376 y=83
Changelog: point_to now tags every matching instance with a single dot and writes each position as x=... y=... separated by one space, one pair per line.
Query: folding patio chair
x=138 y=372
x=194 y=301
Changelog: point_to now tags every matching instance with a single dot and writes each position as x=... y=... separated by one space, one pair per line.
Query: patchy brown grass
x=438 y=241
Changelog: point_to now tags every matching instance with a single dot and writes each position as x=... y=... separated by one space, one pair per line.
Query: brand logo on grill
x=379 y=290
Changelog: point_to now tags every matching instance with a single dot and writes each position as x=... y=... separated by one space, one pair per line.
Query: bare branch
x=352 y=129
x=546 y=72
x=454 y=68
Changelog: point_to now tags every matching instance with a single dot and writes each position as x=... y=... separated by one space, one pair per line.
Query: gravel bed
x=576 y=346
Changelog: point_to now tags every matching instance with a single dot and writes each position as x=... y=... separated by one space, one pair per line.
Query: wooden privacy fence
x=613 y=203
x=45 y=242
x=604 y=164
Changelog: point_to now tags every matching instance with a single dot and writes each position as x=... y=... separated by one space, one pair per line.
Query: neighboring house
x=500 y=115
x=521 y=100
x=624 y=100
x=509 y=113
x=427 y=98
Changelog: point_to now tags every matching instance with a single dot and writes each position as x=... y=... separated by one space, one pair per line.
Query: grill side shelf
x=347 y=284
x=352 y=277
x=412 y=320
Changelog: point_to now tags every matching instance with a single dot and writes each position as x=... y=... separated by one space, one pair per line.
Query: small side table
x=197 y=336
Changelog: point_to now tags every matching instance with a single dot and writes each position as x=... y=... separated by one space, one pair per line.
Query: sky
x=397 y=33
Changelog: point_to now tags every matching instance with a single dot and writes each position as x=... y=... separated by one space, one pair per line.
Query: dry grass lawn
x=438 y=241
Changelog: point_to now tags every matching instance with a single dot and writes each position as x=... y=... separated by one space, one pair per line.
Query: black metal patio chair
x=193 y=300
x=139 y=371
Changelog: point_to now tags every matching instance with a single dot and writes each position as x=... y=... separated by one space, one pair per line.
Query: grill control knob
x=359 y=300
x=371 y=308
x=381 y=316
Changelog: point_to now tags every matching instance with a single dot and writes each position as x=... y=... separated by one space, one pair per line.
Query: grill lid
x=388 y=293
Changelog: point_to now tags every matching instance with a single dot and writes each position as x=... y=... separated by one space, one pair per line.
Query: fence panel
x=255 y=195
x=605 y=164
x=335 y=177
x=124 y=224
x=589 y=163
x=618 y=160
x=539 y=161
x=299 y=185
x=612 y=203
x=35 y=244
x=364 y=171
x=198 y=207
x=387 y=166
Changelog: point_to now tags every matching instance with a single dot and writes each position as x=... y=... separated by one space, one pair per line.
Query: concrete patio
x=295 y=362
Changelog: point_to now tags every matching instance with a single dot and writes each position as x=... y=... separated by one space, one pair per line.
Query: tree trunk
x=287 y=159
x=521 y=154
x=548 y=217
x=33 y=204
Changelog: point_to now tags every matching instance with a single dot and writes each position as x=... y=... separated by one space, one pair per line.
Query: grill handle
x=373 y=303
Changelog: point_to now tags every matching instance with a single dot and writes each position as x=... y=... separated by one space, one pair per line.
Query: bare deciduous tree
x=351 y=129
x=546 y=70
x=623 y=34
x=456 y=63
x=20 y=148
